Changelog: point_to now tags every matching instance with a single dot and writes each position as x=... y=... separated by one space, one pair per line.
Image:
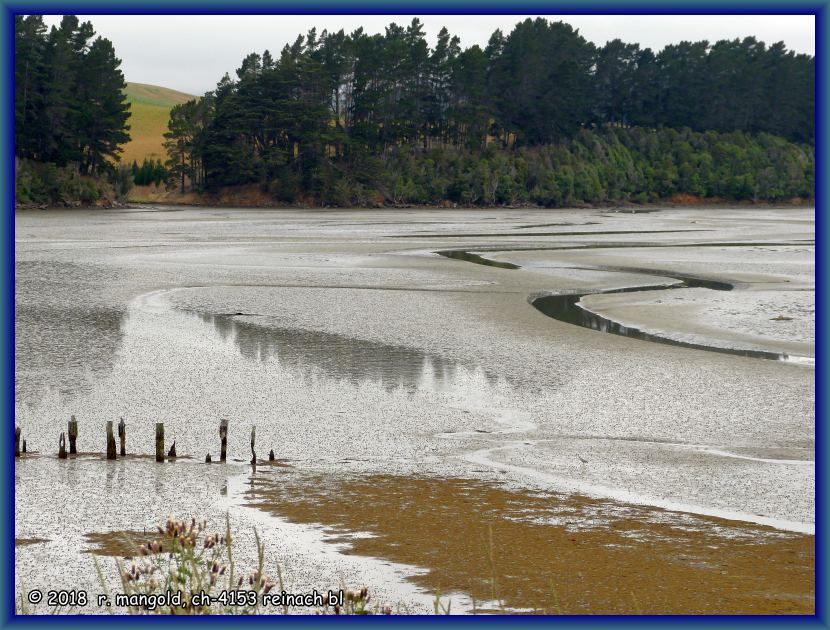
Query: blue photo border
x=9 y=8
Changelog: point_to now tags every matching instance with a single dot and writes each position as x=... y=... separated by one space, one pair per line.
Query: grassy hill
x=150 y=107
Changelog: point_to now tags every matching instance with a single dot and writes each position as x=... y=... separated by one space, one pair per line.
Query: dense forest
x=70 y=114
x=540 y=115
x=599 y=166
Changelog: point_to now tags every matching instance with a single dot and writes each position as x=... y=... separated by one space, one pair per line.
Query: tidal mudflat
x=436 y=432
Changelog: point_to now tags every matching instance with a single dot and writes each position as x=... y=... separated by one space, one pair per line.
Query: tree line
x=151 y=171
x=539 y=115
x=70 y=108
x=339 y=106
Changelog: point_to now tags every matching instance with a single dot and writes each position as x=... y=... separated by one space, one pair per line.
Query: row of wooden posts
x=72 y=432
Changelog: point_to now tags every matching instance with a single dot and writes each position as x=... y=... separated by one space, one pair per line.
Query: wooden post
x=223 y=438
x=24 y=446
x=122 y=436
x=159 y=441
x=62 y=446
x=73 y=435
x=172 y=451
x=271 y=456
x=17 y=442
x=208 y=459
x=253 y=441
x=110 y=441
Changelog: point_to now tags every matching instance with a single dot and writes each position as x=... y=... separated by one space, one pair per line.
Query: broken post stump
x=223 y=438
x=159 y=441
x=172 y=451
x=110 y=441
x=17 y=442
x=253 y=440
x=207 y=459
x=122 y=436
x=73 y=435
x=271 y=455
x=62 y=446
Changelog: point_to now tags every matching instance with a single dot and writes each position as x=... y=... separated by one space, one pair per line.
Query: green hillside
x=150 y=107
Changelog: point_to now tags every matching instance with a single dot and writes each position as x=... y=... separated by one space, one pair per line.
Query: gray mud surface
x=357 y=352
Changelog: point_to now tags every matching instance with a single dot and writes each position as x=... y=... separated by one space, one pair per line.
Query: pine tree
x=29 y=71
x=102 y=122
x=69 y=105
x=55 y=130
x=179 y=142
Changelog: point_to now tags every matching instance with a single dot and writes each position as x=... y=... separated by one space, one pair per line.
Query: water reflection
x=336 y=356
x=65 y=327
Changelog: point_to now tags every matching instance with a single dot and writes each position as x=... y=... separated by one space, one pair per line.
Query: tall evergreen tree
x=543 y=81
x=179 y=142
x=102 y=122
x=69 y=101
x=29 y=72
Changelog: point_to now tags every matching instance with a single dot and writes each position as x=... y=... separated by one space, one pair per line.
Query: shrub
x=191 y=563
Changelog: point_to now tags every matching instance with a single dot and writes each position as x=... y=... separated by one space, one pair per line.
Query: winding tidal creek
x=615 y=415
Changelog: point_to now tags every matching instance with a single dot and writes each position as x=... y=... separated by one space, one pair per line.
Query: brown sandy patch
x=124 y=544
x=24 y=542
x=234 y=197
x=550 y=553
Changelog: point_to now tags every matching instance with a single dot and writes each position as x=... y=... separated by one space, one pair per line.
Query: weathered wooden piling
x=172 y=451
x=223 y=438
x=110 y=441
x=17 y=442
x=122 y=436
x=253 y=441
x=208 y=459
x=159 y=441
x=73 y=435
x=62 y=446
x=271 y=455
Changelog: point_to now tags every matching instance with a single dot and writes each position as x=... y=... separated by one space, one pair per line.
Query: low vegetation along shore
x=609 y=166
x=185 y=570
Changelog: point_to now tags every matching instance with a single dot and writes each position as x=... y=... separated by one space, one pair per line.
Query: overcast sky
x=190 y=53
